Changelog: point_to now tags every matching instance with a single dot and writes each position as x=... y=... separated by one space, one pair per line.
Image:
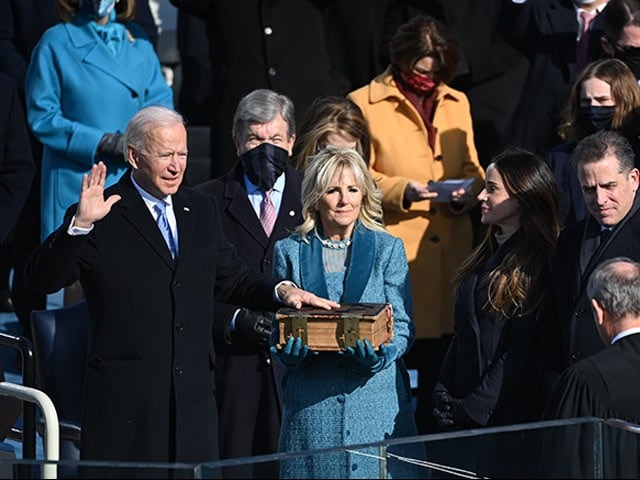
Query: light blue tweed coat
x=331 y=400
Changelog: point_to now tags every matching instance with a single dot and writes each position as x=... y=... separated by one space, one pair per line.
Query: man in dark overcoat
x=279 y=44
x=605 y=167
x=152 y=257
x=17 y=167
x=248 y=387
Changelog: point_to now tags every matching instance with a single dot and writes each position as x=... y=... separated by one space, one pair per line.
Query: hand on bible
x=295 y=297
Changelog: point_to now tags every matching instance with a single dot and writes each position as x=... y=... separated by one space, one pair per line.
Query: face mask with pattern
x=419 y=83
x=97 y=8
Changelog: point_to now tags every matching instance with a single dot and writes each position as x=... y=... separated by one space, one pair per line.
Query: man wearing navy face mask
x=260 y=202
x=622 y=32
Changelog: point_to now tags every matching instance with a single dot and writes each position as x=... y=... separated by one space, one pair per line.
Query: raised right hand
x=92 y=205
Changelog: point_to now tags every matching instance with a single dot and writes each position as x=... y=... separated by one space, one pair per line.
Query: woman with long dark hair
x=488 y=374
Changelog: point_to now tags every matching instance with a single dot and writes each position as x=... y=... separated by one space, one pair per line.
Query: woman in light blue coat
x=333 y=399
x=87 y=77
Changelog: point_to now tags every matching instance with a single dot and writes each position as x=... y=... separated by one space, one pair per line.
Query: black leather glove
x=450 y=412
x=253 y=327
x=441 y=401
x=111 y=144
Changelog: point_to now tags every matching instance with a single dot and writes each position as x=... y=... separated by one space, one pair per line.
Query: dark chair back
x=199 y=162
x=60 y=345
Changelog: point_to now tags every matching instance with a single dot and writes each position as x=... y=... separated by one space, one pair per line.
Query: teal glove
x=389 y=353
x=373 y=361
x=293 y=353
x=363 y=352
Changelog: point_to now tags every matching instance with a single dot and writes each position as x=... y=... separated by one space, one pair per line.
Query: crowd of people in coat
x=327 y=134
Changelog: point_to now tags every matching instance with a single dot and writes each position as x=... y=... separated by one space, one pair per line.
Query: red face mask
x=420 y=83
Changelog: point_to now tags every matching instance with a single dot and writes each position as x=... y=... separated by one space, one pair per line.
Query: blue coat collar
x=362 y=257
x=125 y=67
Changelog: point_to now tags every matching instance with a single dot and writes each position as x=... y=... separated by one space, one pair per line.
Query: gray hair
x=596 y=146
x=617 y=289
x=318 y=176
x=137 y=131
x=261 y=106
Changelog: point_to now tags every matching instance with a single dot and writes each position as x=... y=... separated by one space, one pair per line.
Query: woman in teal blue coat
x=359 y=395
x=87 y=77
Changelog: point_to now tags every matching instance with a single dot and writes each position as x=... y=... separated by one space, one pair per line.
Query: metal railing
x=28 y=433
x=52 y=428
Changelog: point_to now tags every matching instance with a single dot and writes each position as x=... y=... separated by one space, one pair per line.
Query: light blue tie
x=165 y=229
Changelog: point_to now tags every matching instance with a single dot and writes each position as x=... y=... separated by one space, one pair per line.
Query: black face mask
x=264 y=164
x=597 y=118
x=631 y=57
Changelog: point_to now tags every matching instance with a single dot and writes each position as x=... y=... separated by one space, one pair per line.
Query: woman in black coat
x=489 y=371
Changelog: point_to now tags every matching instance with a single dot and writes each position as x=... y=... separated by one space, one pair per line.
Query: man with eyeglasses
x=152 y=257
x=622 y=32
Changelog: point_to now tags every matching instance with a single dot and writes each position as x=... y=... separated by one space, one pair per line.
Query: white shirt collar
x=149 y=199
x=625 y=333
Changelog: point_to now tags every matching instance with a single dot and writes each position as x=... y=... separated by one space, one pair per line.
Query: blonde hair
x=318 y=177
x=327 y=115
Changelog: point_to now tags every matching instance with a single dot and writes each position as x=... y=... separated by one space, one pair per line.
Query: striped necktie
x=268 y=213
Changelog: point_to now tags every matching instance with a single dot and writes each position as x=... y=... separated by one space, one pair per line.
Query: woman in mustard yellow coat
x=421 y=131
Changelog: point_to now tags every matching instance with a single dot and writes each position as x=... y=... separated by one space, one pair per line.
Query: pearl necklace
x=339 y=245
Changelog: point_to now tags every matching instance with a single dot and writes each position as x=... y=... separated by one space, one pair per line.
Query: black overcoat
x=280 y=45
x=569 y=333
x=17 y=167
x=150 y=388
x=248 y=385
x=546 y=31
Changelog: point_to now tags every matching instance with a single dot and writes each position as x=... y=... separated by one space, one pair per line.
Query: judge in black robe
x=605 y=385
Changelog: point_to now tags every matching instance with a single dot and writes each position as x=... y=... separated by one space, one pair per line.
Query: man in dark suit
x=280 y=45
x=151 y=257
x=248 y=388
x=548 y=32
x=605 y=168
x=16 y=173
x=621 y=21
x=22 y=23
x=16 y=162
x=607 y=384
